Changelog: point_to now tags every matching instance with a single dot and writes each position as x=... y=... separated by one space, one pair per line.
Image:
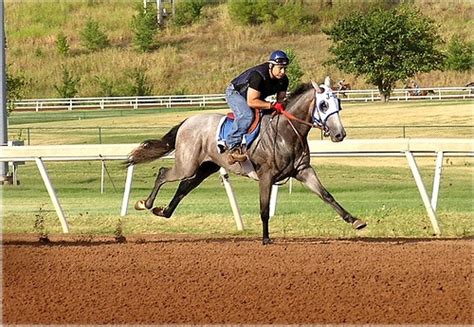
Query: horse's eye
x=323 y=106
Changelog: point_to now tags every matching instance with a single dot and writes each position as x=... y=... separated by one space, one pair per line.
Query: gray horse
x=279 y=152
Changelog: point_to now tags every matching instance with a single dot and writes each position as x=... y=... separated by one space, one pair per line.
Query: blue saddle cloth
x=223 y=130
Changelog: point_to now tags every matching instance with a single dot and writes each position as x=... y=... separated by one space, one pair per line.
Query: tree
x=62 y=44
x=15 y=89
x=385 y=45
x=144 y=26
x=139 y=84
x=294 y=70
x=92 y=37
x=68 y=86
x=459 y=54
x=188 y=12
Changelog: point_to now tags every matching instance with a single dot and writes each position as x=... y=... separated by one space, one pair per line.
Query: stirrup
x=236 y=155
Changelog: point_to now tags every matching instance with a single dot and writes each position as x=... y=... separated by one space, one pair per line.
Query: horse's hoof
x=140 y=205
x=359 y=224
x=267 y=241
x=159 y=211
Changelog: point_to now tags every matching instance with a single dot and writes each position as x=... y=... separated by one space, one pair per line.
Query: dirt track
x=152 y=280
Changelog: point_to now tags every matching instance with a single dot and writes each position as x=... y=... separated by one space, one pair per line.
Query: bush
x=15 y=90
x=106 y=87
x=188 y=12
x=287 y=17
x=459 y=54
x=68 y=86
x=144 y=26
x=62 y=45
x=249 y=12
x=92 y=37
x=294 y=71
x=292 y=18
x=139 y=85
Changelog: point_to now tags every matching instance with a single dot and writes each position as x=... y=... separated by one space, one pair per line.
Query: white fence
x=206 y=100
x=407 y=148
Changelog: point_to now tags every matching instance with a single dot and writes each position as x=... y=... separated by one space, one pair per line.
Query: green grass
x=187 y=60
x=386 y=197
x=380 y=191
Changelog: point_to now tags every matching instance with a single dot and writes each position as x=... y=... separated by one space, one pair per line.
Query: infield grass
x=378 y=190
x=386 y=197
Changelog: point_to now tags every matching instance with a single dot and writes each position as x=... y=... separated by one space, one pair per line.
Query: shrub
x=294 y=71
x=292 y=18
x=15 y=89
x=459 y=54
x=144 y=26
x=188 y=12
x=249 y=12
x=106 y=87
x=68 y=86
x=139 y=85
x=92 y=37
x=62 y=45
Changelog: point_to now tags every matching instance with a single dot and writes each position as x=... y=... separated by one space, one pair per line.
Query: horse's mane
x=300 y=89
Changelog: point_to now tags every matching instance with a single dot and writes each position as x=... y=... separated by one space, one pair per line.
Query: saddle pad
x=223 y=129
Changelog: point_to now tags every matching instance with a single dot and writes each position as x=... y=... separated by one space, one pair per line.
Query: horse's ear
x=316 y=87
x=327 y=81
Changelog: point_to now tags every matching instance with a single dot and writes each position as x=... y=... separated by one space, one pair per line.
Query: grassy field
x=381 y=191
x=386 y=197
x=363 y=120
x=198 y=59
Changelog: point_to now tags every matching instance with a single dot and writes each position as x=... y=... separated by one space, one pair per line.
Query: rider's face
x=279 y=71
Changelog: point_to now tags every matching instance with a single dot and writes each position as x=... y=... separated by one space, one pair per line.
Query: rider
x=247 y=92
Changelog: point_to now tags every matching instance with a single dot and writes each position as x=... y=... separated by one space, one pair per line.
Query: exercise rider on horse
x=247 y=92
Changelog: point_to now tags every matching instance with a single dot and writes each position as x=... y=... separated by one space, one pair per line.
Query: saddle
x=225 y=126
x=256 y=120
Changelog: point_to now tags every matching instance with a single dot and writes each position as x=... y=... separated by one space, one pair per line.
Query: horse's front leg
x=265 y=191
x=308 y=177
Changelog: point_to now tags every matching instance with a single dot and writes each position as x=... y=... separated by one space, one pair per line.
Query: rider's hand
x=278 y=107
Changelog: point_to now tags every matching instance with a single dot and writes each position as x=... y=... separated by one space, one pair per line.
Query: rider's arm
x=254 y=101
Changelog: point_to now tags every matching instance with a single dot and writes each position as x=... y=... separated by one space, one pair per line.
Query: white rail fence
x=407 y=148
x=206 y=100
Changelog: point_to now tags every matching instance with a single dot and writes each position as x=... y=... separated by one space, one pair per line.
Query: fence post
x=100 y=135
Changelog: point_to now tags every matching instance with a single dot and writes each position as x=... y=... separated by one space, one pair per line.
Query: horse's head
x=326 y=112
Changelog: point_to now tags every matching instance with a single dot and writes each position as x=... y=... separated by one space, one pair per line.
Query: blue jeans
x=243 y=116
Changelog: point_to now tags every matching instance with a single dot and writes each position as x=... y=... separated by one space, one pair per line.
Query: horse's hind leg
x=205 y=170
x=308 y=177
x=165 y=175
x=159 y=181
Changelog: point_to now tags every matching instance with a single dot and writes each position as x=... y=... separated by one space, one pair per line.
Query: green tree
x=294 y=71
x=68 y=85
x=188 y=12
x=15 y=89
x=139 y=85
x=62 y=45
x=144 y=27
x=92 y=37
x=252 y=12
x=459 y=55
x=106 y=87
x=385 y=45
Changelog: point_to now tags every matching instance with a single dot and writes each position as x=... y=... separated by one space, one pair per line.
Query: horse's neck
x=300 y=108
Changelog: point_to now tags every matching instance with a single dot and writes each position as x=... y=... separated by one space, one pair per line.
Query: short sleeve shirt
x=267 y=86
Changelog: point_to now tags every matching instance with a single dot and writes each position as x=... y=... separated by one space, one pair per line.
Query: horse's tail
x=150 y=150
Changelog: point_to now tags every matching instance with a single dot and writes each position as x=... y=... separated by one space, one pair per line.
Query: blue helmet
x=279 y=57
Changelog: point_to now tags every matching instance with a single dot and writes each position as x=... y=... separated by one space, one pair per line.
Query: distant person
x=247 y=92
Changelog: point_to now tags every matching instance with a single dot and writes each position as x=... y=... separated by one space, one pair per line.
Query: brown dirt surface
x=183 y=280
